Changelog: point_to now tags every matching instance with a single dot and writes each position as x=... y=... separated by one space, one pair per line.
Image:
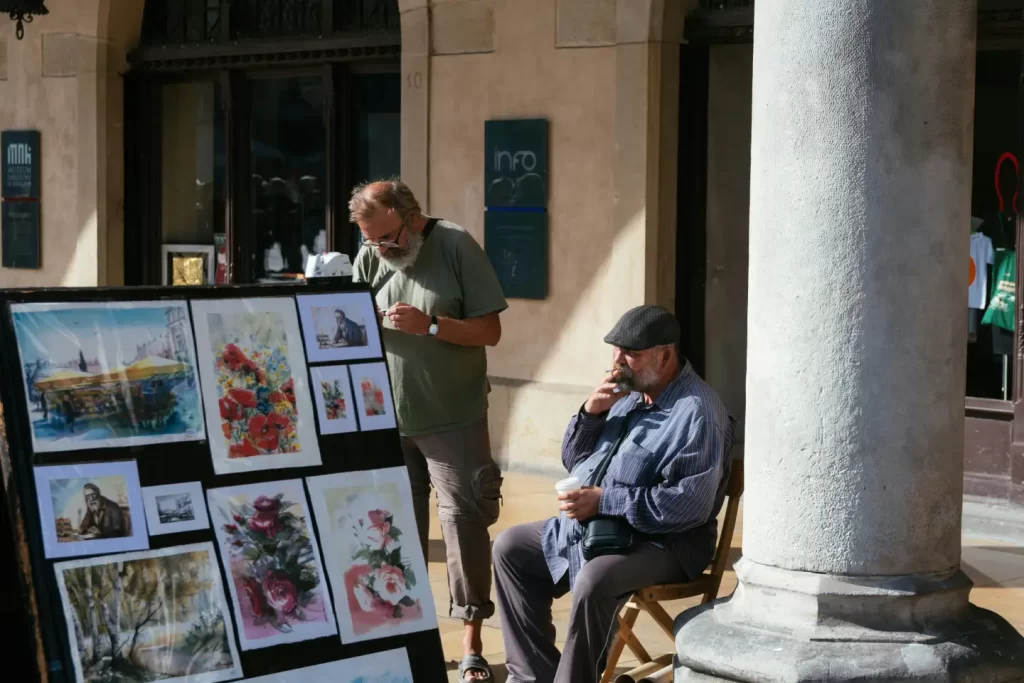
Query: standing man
x=440 y=299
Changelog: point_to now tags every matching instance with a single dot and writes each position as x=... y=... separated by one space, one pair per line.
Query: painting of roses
x=373 y=555
x=271 y=556
x=252 y=372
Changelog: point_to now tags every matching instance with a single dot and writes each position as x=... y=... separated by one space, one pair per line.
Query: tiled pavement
x=997 y=570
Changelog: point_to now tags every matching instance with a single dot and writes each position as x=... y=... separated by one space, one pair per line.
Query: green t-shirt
x=438 y=387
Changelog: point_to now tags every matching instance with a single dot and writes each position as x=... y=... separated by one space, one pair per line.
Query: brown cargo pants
x=467 y=482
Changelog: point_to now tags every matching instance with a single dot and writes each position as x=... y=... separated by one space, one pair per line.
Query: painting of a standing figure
x=151 y=616
x=101 y=375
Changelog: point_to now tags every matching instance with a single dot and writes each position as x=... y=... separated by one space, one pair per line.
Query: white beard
x=404 y=258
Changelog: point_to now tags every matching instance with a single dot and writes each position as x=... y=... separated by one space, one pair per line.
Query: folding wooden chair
x=649 y=598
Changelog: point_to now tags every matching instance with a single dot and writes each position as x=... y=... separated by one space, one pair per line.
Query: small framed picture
x=90 y=509
x=339 y=327
x=189 y=264
x=334 y=405
x=373 y=396
x=174 y=508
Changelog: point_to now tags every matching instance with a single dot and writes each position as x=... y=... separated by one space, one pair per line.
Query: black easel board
x=167 y=463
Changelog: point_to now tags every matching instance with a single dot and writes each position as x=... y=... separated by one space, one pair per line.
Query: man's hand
x=410 y=319
x=604 y=396
x=581 y=505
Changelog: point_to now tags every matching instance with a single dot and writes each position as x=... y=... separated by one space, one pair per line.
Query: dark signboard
x=20 y=167
x=20 y=231
x=516 y=163
x=516 y=243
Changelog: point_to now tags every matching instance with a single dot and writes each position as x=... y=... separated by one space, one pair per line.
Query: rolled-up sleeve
x=581 y=437
x=686 y=496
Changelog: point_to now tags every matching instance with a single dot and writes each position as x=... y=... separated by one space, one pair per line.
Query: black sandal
x=474 y=663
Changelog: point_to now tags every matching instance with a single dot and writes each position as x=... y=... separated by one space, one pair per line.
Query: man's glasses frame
x=391 y=243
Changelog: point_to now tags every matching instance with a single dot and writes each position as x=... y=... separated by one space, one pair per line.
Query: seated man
x=667 y=479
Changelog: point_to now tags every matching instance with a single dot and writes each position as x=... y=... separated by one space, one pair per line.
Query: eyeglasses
x=388 y=242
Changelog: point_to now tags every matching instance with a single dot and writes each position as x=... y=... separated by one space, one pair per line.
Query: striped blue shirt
x=667 y=479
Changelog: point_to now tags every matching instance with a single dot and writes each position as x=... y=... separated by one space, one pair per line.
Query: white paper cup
x=568 y=484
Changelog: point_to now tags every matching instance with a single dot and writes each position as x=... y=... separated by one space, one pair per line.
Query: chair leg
x=659 y=615
x=623 y=638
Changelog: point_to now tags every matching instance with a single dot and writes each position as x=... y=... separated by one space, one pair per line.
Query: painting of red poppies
x=253 y=375
x=273 y=563
x=372 y=553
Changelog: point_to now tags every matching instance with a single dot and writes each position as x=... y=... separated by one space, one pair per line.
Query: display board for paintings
x=185 y=543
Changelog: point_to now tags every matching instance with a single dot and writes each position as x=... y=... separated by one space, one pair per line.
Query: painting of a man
x=104 y=517
x=348 y=331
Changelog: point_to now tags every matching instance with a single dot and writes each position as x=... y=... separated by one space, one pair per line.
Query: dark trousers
x=525 y=593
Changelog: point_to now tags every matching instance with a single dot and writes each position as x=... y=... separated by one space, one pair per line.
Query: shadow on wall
x=528 y=418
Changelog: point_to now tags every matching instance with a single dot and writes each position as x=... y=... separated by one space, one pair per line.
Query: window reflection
x=192 y=178
x=288 y=146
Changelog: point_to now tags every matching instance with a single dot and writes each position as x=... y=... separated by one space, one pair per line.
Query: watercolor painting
x=90 y=509
x=374 y=560
x=373 y=396
x=173 y=508
x=253 y=376
x=158 y=615
x=102 y=375
x=391 y=666
x=334 y=404
x=273 y=563
x=339 y=327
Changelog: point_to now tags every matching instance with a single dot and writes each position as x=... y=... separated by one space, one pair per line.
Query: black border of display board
x=165 y=463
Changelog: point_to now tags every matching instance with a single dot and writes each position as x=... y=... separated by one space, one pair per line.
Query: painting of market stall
x=108 y=375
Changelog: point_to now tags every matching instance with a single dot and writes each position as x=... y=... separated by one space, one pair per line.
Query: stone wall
x=605 y=75
x=64 y=79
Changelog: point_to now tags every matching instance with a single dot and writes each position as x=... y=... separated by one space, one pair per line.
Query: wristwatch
x=432 y=330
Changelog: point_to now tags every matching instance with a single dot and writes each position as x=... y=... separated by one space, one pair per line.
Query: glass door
x=289 y=178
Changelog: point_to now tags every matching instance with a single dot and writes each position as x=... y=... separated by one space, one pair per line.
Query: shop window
x=990 y=349
x=288 y=144
x=192 y=175
x=378 y=130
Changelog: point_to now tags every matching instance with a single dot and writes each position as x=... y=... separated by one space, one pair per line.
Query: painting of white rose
x=374 y=561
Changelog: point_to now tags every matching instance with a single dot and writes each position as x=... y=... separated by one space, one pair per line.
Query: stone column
x=859 y=221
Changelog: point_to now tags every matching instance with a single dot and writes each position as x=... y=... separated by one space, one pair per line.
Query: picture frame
x=374 y=562
x=255 y=384
x=331 y=321
x=372 y=388
x=89 y=369
x=188 y=264
x=335 y=405
x=198 y=628
x=279 y=597
x=174 y=508
x=90 y=509
x=390 y=666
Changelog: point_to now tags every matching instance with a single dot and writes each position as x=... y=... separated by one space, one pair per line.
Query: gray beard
x=404 y=258
x=630 y=381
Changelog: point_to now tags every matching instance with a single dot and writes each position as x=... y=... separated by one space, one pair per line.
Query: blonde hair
x=382 y=195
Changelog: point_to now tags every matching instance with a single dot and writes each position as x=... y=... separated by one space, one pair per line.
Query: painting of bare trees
x=158 y=615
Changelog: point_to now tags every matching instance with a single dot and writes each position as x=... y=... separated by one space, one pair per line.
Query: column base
x=783 y=625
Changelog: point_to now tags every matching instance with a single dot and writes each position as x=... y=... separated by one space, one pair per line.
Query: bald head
x=391 y=196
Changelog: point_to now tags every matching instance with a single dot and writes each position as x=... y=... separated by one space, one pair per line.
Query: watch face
x=433 y=330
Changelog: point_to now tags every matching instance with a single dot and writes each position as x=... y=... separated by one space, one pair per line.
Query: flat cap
x=644 y=327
